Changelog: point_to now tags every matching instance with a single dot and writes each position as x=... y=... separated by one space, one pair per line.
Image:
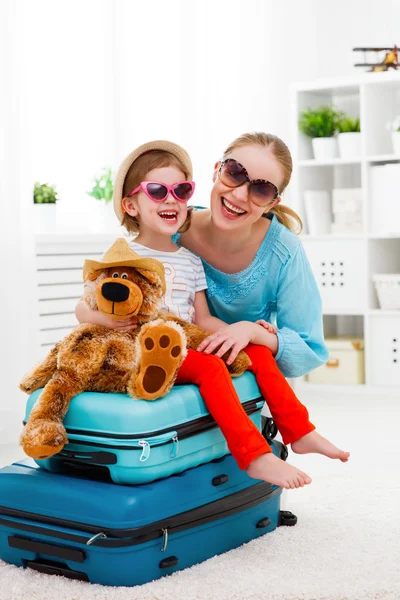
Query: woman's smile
x=231 y=210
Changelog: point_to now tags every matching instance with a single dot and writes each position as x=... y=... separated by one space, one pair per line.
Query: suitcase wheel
x=286 y=518
x=269 y=429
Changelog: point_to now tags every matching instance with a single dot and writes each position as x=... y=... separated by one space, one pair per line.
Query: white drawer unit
x=59 y=264
x=384 y=356
x=340 y=272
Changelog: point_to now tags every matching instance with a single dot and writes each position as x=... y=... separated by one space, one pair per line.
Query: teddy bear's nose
x=116 y=292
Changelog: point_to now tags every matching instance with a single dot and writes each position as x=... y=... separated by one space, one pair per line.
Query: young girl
x=152 y=188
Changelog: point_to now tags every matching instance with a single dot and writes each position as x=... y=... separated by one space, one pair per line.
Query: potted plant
x=394 y=127
x=349 y=137
x=103 y=186
x=45 y=197
x=102 y=213
x=321 y=124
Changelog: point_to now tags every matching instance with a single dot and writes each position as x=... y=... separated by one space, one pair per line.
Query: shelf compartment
x=384 y=352
x=340 y=272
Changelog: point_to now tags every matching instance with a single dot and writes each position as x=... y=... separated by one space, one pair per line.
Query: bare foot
x=314 y=442
x=274 y=470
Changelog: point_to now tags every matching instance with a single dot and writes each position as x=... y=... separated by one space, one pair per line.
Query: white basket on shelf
x=388 y=290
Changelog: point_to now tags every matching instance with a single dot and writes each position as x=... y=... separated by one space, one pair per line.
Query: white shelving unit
x=344 y=264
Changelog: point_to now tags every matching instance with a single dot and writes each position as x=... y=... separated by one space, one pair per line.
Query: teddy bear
x=142 y=362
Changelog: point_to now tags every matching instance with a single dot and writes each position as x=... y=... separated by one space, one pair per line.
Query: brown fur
x=143 y=362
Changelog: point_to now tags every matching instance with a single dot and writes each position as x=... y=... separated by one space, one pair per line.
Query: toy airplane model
x=390 y=59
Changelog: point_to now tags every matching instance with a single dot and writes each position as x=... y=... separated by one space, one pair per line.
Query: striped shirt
x=184 y=276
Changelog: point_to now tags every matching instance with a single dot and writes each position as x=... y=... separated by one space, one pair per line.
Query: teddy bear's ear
x=90 y=285
x=151 y=276
x=92 y=276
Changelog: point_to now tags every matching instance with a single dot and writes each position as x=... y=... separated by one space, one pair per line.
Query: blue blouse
x=277 y=286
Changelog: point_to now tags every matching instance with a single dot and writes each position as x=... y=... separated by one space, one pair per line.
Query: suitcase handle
x=64 y=552
x=219 y=479
x=166 y=563
x=101 y=458
x=263 y=523
x=56 y=569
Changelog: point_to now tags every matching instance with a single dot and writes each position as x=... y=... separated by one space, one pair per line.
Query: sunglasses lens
x=157 y=191
x=233 y=174
x=262 y=193
x=184 y=191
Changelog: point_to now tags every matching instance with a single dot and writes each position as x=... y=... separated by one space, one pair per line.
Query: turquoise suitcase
x=138 y=442
x=129 y=535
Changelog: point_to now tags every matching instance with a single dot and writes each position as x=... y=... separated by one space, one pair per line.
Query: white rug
x=346 y=545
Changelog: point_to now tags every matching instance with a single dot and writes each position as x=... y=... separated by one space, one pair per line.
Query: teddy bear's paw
x=239 y=365
x=162 y=347
x=42 y=439
x=31 y=383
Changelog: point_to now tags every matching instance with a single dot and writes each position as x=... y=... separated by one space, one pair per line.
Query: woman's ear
x=273 y=204
x=216 y=169
x=129 y=206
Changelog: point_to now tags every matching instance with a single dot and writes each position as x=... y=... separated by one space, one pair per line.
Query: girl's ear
x=216 y=167
x=129 y=206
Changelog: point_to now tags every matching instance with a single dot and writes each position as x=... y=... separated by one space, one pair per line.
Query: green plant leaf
x=44 y=193
x=348 y=125
x=103 y=187
x=320 y=122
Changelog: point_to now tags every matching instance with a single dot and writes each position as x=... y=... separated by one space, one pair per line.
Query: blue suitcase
x=138 y=441
x=129 y=535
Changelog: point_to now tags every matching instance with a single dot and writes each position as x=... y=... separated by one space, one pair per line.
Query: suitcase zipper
x=116 y=538
x=159 y=440
x=163 y=436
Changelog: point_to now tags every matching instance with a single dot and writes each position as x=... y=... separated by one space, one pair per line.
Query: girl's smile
x=169 y=216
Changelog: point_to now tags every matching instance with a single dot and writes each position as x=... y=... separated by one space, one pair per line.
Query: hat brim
x=147 y=264
x=163 y=145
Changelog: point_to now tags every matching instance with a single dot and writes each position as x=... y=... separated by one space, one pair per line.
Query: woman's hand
x=233 y=337
x=268 y=326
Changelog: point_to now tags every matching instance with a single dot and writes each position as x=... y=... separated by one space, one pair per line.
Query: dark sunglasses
x=233 y=175
x=158 y=192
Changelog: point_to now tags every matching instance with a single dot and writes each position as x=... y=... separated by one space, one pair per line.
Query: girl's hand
x=268 y=326
x=233 y=337
x=117 y=324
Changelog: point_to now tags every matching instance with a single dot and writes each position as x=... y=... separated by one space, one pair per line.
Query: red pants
x=244 y=440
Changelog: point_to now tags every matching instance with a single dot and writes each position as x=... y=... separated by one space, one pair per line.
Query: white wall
x=107 y=75
x=202 y=72
x=18 y=305
x=69 y=59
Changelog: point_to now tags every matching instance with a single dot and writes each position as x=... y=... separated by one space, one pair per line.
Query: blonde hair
x=285 y=215
x=154 y=159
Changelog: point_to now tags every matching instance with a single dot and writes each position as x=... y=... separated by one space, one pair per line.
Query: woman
x=255 y=265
